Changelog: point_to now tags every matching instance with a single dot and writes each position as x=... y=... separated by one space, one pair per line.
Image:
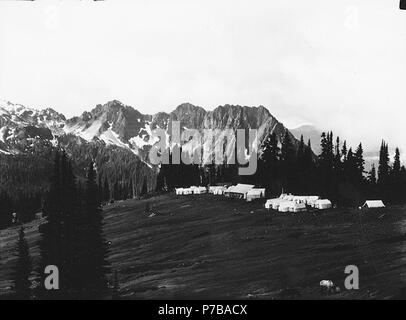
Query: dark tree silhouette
x=91 y=245
x=23 y=269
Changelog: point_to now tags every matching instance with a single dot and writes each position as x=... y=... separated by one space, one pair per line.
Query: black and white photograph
x=189 y=150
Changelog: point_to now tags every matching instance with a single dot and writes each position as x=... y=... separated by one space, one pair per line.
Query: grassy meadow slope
x=205 y=246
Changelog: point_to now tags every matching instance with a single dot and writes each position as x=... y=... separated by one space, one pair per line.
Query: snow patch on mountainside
x=111 y=138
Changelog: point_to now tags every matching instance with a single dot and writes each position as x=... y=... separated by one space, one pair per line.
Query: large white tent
x=373 y=204
x=323 y=204
x=274 y=203
x=255 y=193
x=239 y=191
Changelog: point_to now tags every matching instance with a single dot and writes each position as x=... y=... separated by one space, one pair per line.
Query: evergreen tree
x=396 y=163
x=383 y=168
x=268 y=163
x=51 y=232
x=57 y=244
x=372 y=175
x=325 y=166
x=309 y=170
x=396 y=181
x=92 y=249
x=22 y=269
x=288 y=163
x=344 y=152
x=359 y=163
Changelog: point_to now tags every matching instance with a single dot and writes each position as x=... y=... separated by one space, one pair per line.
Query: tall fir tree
x=93 y=249
x=23 y=269
x=288 y=163
x=383 y=168
x=359 y=163
x=372 y=175
x=267 y=168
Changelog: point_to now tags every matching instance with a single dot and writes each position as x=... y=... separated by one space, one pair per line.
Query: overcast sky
x=339 y=65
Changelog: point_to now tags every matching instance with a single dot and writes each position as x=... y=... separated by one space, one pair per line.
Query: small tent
x=323 y=204
x=178 y=191
x=269 y=203
x=373 y=204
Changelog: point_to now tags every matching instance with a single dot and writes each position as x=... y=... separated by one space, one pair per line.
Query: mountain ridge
x=116 y=123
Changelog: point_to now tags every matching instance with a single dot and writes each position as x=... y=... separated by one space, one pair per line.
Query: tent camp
x=323 y=204
x=239 y=191
x=373 y=204
x=255 y=193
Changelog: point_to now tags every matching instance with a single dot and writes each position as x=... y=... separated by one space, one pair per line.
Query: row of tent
x=241 y=191
x=285 y=202
x=190 y=190
x=291 y=203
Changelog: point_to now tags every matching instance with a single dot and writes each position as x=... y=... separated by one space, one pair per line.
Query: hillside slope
x=205 y=246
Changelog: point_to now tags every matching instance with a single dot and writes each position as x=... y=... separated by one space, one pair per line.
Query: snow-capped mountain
x=115 y=123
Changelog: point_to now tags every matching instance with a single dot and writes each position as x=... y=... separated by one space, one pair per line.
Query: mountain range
x=120 y=125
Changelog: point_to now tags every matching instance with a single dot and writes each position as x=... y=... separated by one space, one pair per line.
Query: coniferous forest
x=337 y=173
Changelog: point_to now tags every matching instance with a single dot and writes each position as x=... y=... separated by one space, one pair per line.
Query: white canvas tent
x=187 y=191
x=311 y=200
x=239 y=191
x=199 y=190
x=373 y=204
x=270 y=202
x=217 y=189
x=255 y=193
x=323 y=204
x=285 y=206
x=274 y=203
x=297 y=207
x=178 y=191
